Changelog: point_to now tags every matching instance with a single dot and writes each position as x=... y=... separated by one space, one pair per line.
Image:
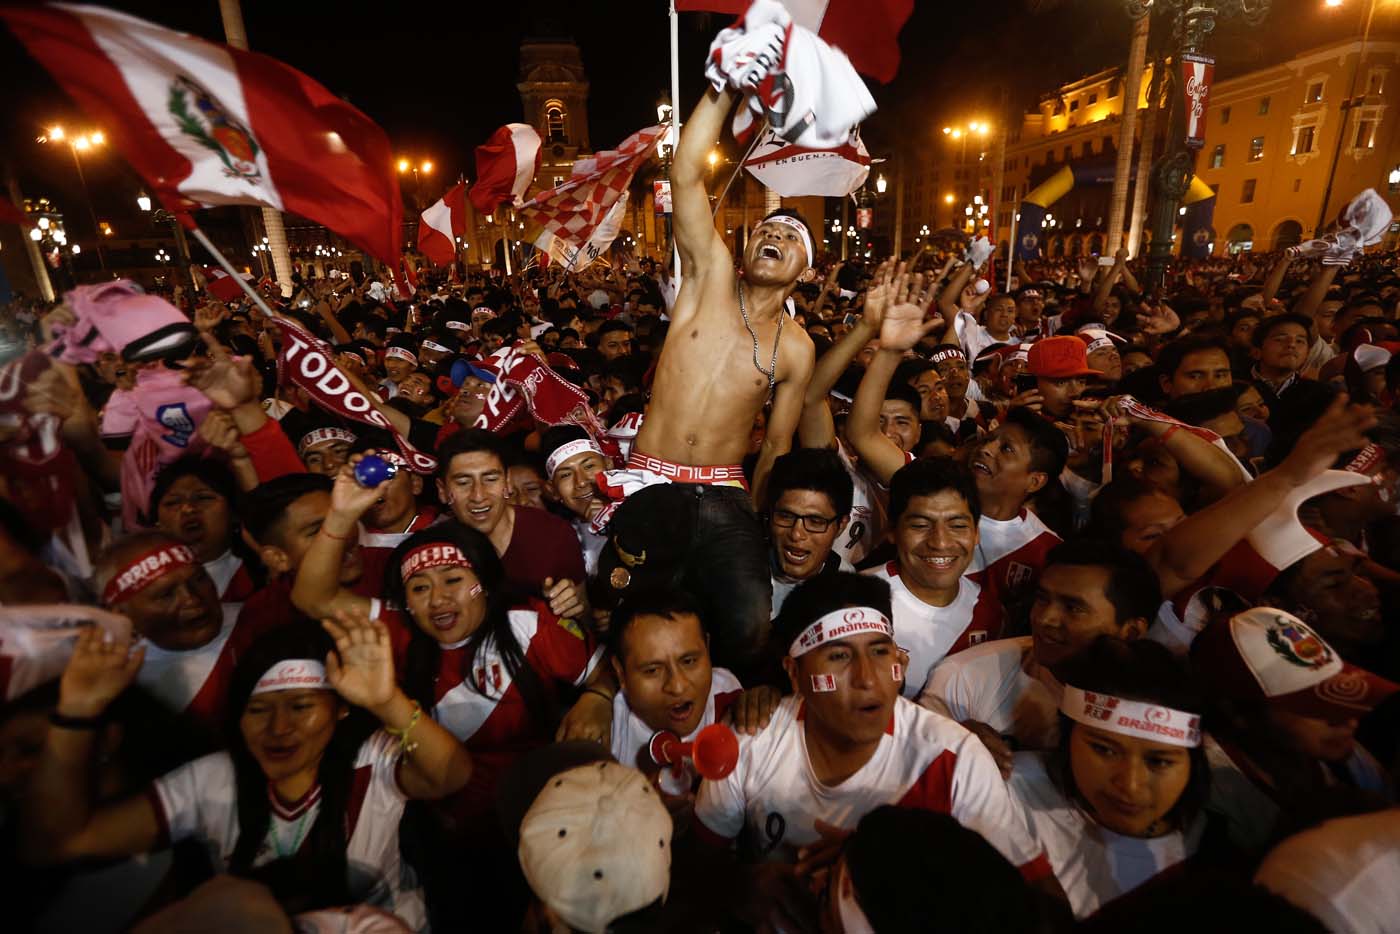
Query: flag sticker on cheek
x=475 y=591
x=897 y=672
x=823 y=684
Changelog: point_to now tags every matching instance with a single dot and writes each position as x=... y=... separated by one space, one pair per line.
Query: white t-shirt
x=869 y=511
x=189 y=679
x=1093 y=864
x=1011 y=554
x=922 y=761
x=199 y=800
x=998 y=683
x=591 y=544
x=631 y=737
x=928 y=633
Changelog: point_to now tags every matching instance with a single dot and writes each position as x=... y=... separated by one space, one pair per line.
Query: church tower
x=554 y=93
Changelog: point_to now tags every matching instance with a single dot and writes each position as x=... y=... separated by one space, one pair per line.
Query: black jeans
x=726 y=569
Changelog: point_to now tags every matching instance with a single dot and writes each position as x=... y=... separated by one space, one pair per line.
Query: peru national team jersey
x=631 y=738
x=196 y=682
x=998 y=683
x=929 y=633
x=1011 y=554
x=923 y=761
x=388 y=541
x=199 y=801
x=1093 y=864
x=231 y=578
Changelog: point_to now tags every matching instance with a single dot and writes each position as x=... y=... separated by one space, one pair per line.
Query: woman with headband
x=1118 y=801
x=308 y=797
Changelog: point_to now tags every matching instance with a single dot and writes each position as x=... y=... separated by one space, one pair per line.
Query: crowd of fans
x=1082 y=603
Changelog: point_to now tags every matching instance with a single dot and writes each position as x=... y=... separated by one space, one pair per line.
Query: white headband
x=566 y=451
x=318 y=435
x=402 y=353
x=434 y=345
x=293 y=674
x=796 y=225
x=838 y=624
x=458 y=326
x=1132 y=718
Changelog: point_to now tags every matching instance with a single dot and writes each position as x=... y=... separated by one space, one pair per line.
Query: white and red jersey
x=1011 y=554
x=231 y=578
x=998 y=683
x=922 y=761
x=1243 y=571
x=199 y=801
x=928 y=633
x=387 y=541
x=870 y=504
x=1093 y=864
x=631 y=738
x=196 y=682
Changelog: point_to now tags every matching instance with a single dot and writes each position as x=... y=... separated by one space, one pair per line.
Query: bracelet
x=601 y=694
x=332 y=535
x=405 y=747
x=74 y=723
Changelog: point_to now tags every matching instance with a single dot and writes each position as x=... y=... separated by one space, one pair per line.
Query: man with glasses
x=809 y=509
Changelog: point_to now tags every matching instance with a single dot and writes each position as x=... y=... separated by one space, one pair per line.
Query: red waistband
x=732 y=475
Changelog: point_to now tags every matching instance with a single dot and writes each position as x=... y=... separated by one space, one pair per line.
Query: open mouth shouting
x=769 y=251
x=443 y=622
x=982 y=466
x=680 y=713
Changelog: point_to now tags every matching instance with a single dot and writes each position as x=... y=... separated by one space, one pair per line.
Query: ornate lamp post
x=1192 y=21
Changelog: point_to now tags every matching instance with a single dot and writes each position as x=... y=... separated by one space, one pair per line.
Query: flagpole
x=228 y=268
x=1011 y=248
x=675 y=115
x=719 y=202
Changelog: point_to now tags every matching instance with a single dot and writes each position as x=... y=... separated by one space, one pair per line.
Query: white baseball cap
x=596 y=845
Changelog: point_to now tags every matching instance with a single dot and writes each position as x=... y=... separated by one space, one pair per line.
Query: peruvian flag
x=505 y=165
x=866 y=30
x=223 y=286
x=205 y=124
x=442 y=224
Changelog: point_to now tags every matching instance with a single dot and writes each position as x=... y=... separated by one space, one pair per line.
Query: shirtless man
x=727 y=352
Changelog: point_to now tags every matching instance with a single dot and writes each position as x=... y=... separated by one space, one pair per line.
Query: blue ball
x=373 y=470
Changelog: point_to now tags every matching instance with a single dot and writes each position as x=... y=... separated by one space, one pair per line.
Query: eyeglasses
x=812 y=523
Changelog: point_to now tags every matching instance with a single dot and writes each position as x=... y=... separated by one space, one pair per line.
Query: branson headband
x=947 y=352
x=318 y=435
x=402 y=353
x=435 y=555
x=434 y=345
x=838 y=624
x=1132 y=718
x=566 y=451
x=458 y=326
x=352 y=355
x=140 y=573
x=796 y=225
x=293 y=674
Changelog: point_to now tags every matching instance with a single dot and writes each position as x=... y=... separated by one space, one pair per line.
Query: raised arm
x=702 y=251
x=948 y=303
x=1276 y=275
x=878 y=452
x=1197 y=542
x=1317 y=291
x=317 y=591
x=816 y=429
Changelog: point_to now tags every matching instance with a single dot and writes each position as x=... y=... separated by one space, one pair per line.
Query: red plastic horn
x=715 y=750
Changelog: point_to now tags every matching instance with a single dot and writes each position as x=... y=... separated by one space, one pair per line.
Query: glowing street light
x=143 y=201
x=35 y=233
x=426 y=167
x=77 y=145
x=881 y=184
x=948 y=198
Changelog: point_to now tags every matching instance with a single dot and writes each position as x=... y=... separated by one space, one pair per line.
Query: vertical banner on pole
x=1197 y=72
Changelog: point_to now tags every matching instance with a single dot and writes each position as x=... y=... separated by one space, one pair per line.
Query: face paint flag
x=1197 y=72
x=205 y=124
x=307 y=362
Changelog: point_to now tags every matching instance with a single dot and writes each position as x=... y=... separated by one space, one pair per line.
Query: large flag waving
x=442 y=224
x=572 y=256
x=505 y=166
x=866 y=30
x=575 y=210
x=205 y=124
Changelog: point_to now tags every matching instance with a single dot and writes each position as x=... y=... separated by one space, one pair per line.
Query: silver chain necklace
x=772 y=370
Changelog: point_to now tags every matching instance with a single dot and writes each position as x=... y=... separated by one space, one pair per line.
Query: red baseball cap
x=1059 y=358
x=1264 y=654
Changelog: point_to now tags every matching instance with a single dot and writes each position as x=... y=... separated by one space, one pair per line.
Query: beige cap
x=596 y=845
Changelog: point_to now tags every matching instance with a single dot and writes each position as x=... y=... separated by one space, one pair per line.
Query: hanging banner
x=1197 y=72
x=661 y=195
x=865 y=218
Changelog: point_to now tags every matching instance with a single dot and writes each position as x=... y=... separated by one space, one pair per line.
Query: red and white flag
x=442 y=224
x=866 y=30
x=794 y=172
x=221 y=285
x=505 y=166
x=575 y=210
x=205 y=124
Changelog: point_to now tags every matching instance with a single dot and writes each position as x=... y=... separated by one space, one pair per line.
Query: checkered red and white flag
x=574 y=211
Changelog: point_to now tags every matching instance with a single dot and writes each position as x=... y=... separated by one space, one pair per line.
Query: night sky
x=440 y=77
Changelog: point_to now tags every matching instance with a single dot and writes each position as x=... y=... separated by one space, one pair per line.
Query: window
x=1224 y=115
x=1365 y=134
x=1217 y=156
x=1303 y=142
x=1314 y=94
x=1088 y=147
x=1247 y=196
x=1049 y=156
x=1297 y=184
x=1263 y=106
x=1256 y=149
x=1069 y=153
x=554 y=122
x=1093 y=99
x=1073 y=106
x=1375 y=82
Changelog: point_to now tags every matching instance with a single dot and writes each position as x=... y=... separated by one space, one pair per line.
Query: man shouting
x=726 y=354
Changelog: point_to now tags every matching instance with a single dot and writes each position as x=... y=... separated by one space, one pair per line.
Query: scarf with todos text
x=526 y=382
x=306 y=361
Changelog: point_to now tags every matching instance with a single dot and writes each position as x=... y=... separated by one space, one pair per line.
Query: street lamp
x=881 y=184
x=182 y=248
x=82 y=143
